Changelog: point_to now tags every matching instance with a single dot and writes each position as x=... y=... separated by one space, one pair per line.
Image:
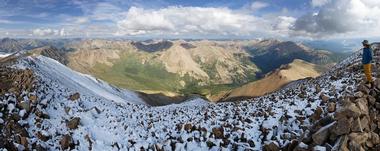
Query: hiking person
x=366 y=60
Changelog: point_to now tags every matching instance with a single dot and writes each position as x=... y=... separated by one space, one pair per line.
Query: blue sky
x=301 y=19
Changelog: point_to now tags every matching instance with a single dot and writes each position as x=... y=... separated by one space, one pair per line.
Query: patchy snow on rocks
x=102 y=117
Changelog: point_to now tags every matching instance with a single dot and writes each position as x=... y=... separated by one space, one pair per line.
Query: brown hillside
x=296 y=70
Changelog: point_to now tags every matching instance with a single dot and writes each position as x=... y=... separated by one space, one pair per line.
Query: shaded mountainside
x=273 y=56
x=8 y=45
x=51 y=52
x=335 y=110
x=296 y=70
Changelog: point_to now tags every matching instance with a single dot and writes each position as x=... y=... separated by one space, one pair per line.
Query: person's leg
x=368 y=72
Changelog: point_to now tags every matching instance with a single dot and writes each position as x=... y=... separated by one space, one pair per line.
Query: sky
x=234 y=19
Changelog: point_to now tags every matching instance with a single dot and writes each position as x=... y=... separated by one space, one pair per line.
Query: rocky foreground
x=335 y=111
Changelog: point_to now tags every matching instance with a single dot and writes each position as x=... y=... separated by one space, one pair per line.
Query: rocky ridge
x=350 y=123
x=18 y=101
x=312 y=114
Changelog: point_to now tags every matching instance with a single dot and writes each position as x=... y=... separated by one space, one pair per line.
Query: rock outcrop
x=17 y=89
x=355 y=125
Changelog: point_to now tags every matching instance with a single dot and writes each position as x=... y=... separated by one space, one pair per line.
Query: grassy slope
x=129 y=72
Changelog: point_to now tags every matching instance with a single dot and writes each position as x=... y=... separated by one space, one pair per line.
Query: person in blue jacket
x=366 y=60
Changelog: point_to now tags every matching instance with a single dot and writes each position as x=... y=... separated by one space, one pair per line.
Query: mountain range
x=174 y=67
x=47 y=106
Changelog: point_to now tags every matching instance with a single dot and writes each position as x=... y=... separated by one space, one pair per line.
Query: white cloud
x=106 y=11
x=326 y=19
x=190 y=20
x=81 y=20
x=47 y=32
x=4 y=21
x=284 y=23
x=319 y=3
x=257 y=5
x=62 y=32
x=348 y=18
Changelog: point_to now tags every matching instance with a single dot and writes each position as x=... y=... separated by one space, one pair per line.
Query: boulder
x=317 y=114
x=33 y=98
x=318 y=88
x=377 y=83
x=188 y=127
x=362 y=104
x=324 y=98
x=42 y=137
x=322 y=134
x=66 y=142
x=359 y=138
x=364 y=122
x=343 y=126
x=356 y=126
x=331 y=107
x=341 y=144
x=218 y=132
x=348 y=110
x=322 y=122
x=363 y=88
x=24 y=141
x=371 y=100
x=271 y=147
x=74 y=96
x=25 y=105
x=375 y=139
x=38 y=147
x=301 y=147
x=353 y=146
x=358 y=94
x=73 y=123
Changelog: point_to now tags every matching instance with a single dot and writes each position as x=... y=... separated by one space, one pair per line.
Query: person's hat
x=365 y=42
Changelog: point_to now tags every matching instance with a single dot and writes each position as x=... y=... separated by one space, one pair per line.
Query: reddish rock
x=324 y=98
x=317 y=114
x=66 y=142
x=218 y=132
x=188 y=127
x=33 y=98
x=271 y=147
